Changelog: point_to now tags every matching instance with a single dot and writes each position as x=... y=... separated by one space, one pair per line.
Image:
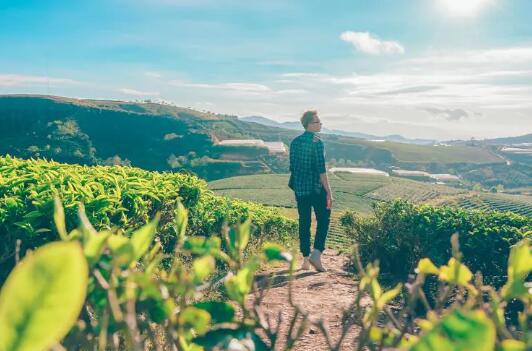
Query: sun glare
x=464 y=8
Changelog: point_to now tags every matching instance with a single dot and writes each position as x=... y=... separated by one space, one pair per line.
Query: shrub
x=114 y=196
x=401 y=233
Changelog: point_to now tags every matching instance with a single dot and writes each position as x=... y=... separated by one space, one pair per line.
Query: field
x=360 y=192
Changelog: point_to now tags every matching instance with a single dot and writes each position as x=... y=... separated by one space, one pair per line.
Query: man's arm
x=323 y=172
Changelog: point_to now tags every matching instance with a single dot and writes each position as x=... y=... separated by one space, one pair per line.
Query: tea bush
x=401 y=233
x=125 y=300
x=114 y=196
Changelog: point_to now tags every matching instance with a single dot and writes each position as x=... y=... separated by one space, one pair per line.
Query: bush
x=114 y=196
x=401 y=233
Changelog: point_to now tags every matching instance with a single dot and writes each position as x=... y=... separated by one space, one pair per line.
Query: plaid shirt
x=307 y=162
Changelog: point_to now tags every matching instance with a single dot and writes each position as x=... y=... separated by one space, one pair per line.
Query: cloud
x=13 y=80
x=368 y=44
x=449 y=114
x=138 y=92
x=410 y=90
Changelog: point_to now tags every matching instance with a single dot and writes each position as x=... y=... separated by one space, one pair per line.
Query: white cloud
x=151 y=74
x=134 y=92
x=14 y=80
x=368 y=44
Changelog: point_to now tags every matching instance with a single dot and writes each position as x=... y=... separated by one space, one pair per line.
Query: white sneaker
x=315 y=261
x=306 y=264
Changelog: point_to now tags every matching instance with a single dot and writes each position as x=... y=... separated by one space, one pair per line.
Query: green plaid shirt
x=307 y=162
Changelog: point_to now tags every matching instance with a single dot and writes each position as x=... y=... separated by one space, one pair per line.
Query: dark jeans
x=305 y=203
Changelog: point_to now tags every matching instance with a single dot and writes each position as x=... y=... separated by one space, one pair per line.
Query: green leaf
x=196 y=319
x=94 y=246
x=42 y=297
x=239 y=237
x=181 y=221
x=202 y=267
x=143 y=238
x=519 y=267
x=274 y=251
x=513 y=345
x=239 y=285
x=221 y=312
x=459 y=331
x=121 y=248
x=456 y=273
x=59 y=219
x=425 y=266
x=388 y=296
x=198 y=245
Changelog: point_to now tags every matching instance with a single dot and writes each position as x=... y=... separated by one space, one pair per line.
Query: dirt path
x=323 y=295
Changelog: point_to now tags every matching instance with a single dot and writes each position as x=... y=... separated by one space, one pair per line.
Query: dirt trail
x=323 y=295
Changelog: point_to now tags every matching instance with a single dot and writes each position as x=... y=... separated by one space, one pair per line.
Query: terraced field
x=359 y=191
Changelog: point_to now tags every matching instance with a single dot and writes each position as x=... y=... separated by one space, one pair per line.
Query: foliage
x=401 y=233
x=43 y=297
x=114 y=196
x=134 y=303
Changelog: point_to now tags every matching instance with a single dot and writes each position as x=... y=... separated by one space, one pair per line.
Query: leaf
x=239 y=237
x=181 y=221
x=42 y=297
x=198 y=245
x=59 y=219
x=239 y=285
x=460 y=330
x=196 y=319
x=388 y=296
x=456 y=273
x=202 y=268
x=513 y=345
x=221 y=312
x=519 y=267
x=94 y=246
x=274 y=251
x=121 y=248
x=425 y=266
x=143 y=238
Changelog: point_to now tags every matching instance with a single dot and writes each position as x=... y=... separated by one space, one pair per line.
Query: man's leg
x=323 y=216
x=304 y=211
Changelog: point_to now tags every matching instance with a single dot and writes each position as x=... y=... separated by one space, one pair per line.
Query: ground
x=323 y=295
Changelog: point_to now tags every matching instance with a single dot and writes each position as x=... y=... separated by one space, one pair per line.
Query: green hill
x=164 y=137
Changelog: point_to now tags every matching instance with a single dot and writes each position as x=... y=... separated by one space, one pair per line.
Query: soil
x=323 y=296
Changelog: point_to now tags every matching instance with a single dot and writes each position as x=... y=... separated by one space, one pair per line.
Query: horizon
x=439 y=69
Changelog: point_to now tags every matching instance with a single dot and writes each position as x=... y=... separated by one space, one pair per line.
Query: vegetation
x=401 y=233
x=92 y=132
x=112 y=293
x=113 y=196
x=359 y=192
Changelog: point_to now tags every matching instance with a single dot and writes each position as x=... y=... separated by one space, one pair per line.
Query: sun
x=464 y=8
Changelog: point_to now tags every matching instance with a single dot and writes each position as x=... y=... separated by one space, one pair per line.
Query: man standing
x=308 y=180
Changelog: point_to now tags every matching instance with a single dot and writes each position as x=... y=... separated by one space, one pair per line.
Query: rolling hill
x=164 y=137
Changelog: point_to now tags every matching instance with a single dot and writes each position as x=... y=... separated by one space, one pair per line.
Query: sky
x=438 y=69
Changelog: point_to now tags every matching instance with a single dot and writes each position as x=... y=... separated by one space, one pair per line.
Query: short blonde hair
x=308 y=117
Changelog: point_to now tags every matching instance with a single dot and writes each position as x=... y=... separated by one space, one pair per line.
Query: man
x=308 y=180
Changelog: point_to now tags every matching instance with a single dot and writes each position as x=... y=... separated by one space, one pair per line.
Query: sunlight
x=464 y=8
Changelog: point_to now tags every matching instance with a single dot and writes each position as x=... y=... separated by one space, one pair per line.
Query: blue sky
x=422 y=68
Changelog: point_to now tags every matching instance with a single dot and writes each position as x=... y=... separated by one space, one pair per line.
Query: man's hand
x=329 y=200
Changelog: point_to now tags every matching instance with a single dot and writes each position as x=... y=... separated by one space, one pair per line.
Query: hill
x=165 y=137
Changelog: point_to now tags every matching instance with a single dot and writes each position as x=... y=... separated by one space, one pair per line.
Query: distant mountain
x=510 y=140
x=297 y=126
